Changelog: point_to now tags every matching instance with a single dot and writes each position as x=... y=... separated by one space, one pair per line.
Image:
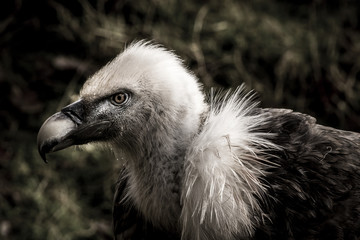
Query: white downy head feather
x=157 y=75
x=223 y=168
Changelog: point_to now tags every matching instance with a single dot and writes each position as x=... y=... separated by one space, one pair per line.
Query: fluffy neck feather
x=223 y=168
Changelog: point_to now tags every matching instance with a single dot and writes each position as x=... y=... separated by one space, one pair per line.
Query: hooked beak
x=67 y=128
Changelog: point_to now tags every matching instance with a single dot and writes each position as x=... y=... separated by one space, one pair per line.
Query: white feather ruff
x=223 y=170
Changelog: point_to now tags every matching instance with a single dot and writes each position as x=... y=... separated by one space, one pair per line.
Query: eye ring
x=120 y=98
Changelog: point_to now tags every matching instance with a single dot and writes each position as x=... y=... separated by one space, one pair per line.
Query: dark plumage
x=315 y=193
x=226 y=169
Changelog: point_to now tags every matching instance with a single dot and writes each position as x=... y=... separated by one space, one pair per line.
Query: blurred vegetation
x=303 y=55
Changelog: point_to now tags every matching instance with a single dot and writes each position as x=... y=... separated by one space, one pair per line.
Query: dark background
x=303 y=55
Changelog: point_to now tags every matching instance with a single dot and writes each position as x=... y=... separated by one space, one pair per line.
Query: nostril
x=73 y=116
x=75 y=111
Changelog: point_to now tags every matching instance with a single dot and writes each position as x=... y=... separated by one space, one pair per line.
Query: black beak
x=69 y=127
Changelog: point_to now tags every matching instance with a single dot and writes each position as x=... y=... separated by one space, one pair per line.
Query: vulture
x=209 y=166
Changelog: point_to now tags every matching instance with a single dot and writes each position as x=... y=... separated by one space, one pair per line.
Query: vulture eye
x=119 y=98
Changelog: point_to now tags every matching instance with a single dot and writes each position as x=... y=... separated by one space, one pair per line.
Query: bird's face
x=141 y=89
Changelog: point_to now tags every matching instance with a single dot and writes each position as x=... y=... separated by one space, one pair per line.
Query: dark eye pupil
x=119 y=98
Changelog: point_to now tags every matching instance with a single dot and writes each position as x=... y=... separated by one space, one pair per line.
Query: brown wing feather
x=315 y=193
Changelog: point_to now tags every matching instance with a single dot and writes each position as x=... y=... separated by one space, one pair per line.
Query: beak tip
x=42 y=154
x=52 y=133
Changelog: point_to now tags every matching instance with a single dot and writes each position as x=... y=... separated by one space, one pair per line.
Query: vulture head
x=223 y=169
x=143 y=93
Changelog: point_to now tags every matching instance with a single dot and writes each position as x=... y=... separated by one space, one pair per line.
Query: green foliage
x=296 y=54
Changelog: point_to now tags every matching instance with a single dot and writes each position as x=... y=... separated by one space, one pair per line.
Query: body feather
x=224 y=169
